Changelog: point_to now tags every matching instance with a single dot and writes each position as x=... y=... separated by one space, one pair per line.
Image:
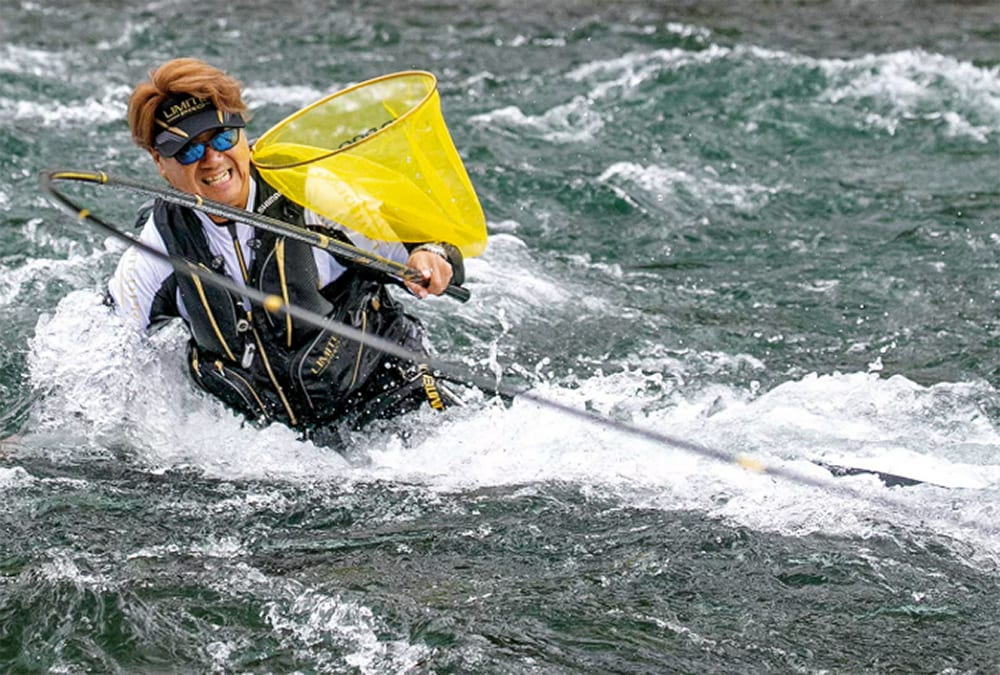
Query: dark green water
x=770 y=228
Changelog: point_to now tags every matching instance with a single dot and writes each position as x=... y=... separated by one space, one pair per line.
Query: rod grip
x=458 y=292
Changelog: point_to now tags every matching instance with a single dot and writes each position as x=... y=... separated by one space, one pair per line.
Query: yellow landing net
x=377 y=158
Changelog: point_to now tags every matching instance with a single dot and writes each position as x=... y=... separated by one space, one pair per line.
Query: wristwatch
x=433 y=248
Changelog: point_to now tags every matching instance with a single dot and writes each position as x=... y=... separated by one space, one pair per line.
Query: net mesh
x=378 y=158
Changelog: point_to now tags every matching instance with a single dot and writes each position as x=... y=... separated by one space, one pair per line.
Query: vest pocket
x=326 y=370
x=329 y=368
x=230 y=386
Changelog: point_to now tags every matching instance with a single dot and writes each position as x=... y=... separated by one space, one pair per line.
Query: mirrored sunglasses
x=224 y=140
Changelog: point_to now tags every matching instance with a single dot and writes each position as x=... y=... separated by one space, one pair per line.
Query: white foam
x=964 y=98
x=578 y=121
x=108 y=104
x=854 y=415
x=569 y=123
x=918 y=84
x=661 y=184
x=61 y=566
x=499 y=279
x=108 y=388
x=76 y=270
x=314 y=619
x=15 y=477
x=626 y=73
x=40 y=63
x=224 y=547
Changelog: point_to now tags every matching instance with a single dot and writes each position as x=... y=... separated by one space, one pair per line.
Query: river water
x=765 y=228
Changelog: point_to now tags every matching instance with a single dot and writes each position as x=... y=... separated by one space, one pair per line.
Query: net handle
x=396 y=271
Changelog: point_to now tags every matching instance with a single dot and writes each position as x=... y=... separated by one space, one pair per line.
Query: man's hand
x=435 y=269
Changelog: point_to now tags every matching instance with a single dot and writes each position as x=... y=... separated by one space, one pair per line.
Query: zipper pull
x=248 y=353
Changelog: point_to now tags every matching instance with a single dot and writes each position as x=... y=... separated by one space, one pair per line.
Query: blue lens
x=222 y=141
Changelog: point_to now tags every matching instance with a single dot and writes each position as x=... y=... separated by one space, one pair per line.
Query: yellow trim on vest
x=211 y=315
x=274 y=380
x=279 y=257
x=238 y=249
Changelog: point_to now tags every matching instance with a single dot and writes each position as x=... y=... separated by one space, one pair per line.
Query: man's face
x=220 y=176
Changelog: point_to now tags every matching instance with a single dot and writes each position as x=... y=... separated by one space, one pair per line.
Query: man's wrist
x=432 y=247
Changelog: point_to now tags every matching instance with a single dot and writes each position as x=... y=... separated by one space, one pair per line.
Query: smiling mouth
x=217 y=178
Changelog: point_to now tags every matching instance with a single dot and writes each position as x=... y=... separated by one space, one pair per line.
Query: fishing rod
x=457 y=373
x=275 y=304
x=335 y=246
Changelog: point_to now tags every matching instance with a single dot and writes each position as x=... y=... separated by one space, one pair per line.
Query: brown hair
x=180 y=76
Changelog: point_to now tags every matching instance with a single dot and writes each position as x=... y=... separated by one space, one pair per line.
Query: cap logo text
x=184 y=108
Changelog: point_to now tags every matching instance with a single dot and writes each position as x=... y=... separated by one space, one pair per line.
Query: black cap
x=182 y=117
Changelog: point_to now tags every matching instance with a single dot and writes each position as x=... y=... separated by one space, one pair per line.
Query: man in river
x=191 y=118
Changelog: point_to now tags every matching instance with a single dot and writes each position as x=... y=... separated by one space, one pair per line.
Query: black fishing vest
x=269 y=366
